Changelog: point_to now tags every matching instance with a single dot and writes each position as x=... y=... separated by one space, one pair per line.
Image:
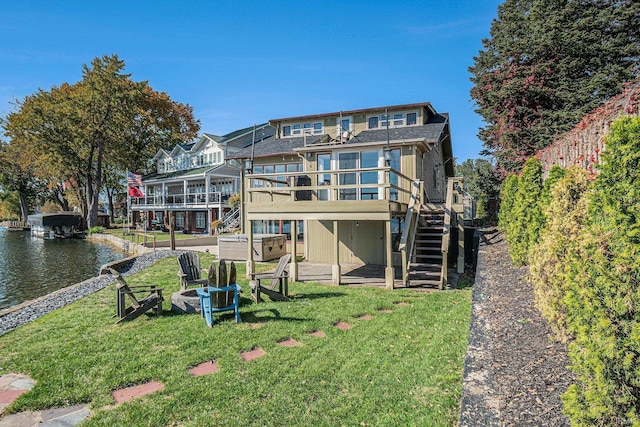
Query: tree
x=527 y=219
x=546 y=64
x=482 y=182
x=104 y=121
x=507 y=199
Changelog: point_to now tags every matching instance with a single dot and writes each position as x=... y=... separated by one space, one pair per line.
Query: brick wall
x=582 y=146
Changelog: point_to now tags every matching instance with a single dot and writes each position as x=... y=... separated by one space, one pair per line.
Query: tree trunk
x=24 y=206
x=172 y=230
x=93 y=188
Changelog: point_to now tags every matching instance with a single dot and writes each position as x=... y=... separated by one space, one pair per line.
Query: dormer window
x=286 y=131
x=412 y=119
x=393 y=120
x=311 y=128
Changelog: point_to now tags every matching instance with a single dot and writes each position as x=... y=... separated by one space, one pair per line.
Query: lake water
x=31 y=267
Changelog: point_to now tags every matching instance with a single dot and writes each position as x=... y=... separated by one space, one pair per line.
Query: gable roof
x=272 y=146
x=426 y=105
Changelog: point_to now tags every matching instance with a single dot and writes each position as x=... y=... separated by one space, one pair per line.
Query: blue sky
x=243 y=62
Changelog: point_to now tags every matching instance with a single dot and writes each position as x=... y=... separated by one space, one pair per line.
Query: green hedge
x=586 y=275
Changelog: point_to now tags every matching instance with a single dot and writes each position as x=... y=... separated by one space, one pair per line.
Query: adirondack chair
x=152 y=299
x=189 y=270
x=278 y=288
x=214 y=299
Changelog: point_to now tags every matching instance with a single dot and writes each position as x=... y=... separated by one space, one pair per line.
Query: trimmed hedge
x=586 y=275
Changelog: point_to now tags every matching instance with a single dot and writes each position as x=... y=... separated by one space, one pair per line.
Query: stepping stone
x=318 y=334
x=69 y=416
x=8 y=396
x=289 y=343
x=385 y=310
x=343 y=326
x=255 y=325
x=130 y=393
x=365 y=317
x=253 y=354
x=402 y=303
x=204 y=368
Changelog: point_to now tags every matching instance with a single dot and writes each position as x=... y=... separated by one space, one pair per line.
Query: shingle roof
x=430 y=132
x=223 y=170
x=273 y=146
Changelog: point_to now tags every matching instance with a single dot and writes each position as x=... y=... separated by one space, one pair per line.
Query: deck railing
x=410 y=226
x=190 y=199
x=334 y=185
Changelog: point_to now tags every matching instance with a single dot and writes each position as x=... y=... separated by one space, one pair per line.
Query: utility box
x=266 y=247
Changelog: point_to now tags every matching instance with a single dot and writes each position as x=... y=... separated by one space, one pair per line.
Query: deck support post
x=389 y=272
x=335 y=268
x=293 y=267
x=460 y=224
x=250 y=263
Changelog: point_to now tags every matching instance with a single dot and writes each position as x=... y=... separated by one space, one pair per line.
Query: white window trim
x=392 y=123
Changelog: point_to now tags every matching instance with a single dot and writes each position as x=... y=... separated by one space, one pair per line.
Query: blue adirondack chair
x=213 y=300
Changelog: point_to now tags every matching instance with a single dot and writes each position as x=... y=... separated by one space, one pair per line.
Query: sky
x=239 y=63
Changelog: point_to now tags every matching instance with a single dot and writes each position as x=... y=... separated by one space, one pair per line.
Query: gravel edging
x=514 y=373
x=32 y=310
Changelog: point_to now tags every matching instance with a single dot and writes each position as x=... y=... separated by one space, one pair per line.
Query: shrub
x=603 y=302
x=507 y=197
x=526 y=218
x=565 y=213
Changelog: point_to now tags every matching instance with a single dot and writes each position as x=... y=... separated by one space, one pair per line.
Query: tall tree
x=106 y=119
x=546 y=64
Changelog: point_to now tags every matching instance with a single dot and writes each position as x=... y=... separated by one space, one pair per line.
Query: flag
x=134 y=179
x=135 y=192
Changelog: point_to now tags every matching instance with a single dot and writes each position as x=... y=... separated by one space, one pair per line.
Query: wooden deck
x=352 y=274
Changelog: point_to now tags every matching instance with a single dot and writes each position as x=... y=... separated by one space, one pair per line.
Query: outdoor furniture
x=189 y=270
x=278 y=288
x=215 y=299
x=152 y=298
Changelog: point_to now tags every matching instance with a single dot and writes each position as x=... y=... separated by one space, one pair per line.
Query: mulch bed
x=515 y=372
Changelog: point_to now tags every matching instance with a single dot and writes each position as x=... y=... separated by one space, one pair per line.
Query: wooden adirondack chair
x=189 y=270
x=152 y=299
x=214 y=299
x=278 y=288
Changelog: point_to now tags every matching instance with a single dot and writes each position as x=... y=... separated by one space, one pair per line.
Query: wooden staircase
x=426 y=266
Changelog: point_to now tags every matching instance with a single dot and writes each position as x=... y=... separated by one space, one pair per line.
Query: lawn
x=401 y=365
x=159 y=235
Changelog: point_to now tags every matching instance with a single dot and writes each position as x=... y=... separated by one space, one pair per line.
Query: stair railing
x=407 y=239
x=231 y=218
x=446 y=234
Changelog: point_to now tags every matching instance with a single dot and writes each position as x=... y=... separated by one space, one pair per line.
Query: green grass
x=159 y=235
x=402 y=367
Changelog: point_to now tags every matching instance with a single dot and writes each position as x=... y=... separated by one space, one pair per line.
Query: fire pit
x=186 y=301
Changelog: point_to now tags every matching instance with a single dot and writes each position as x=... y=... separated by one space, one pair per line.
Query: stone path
x=14 y=385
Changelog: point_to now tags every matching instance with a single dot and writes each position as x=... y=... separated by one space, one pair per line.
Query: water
x=31 y=267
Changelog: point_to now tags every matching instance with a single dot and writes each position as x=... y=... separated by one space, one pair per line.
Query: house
x=194 y=182
x=369 y=186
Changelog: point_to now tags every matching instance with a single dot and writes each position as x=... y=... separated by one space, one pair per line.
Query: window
x=307 y=128
x=324 y=164
x=201 y=219
x=412 y=119
x=286 y=131
x=347 y=161
x=398 y=119
x=345 y=124
x=296 y=129
x=317 y=128
x=180 y=219
x=373 y=122
x=369 y=159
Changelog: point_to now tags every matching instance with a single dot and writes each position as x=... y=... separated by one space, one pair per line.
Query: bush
x=96 y=229
x=526 y=218
x=603 y=302
x=565 y=213
x=507 y=197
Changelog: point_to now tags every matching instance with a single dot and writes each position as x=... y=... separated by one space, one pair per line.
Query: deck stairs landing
x=426 y=266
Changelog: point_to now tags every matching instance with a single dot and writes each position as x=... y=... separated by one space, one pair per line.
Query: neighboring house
x=194 y=182
x=359 y=186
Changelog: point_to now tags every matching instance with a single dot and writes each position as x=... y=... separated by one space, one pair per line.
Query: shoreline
x=13 y=317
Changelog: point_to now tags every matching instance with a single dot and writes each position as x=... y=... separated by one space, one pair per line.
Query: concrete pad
x=204 y=368
x=65 y=417
x=289 y=343
x=8 y=396
x=22 y=419
x=253 y=354
x=7 y=379
x=130 y=393
x=23 y=384
x=343 y=325
x=318 y=334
